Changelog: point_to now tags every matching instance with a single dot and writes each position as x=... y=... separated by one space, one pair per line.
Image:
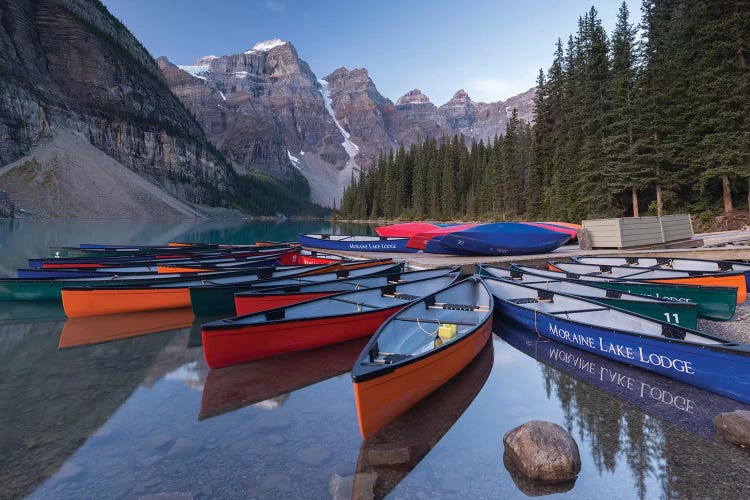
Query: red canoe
x=405 y=230
x=307 y=325
x=419 y=240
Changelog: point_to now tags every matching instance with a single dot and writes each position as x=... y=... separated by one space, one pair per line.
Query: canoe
x=420 y=429
x=419 y=240
x=727 y=279
x=690 y=408
x=687 y=355
x=49 y=289
x=148 y=259
x=405 y=230
x=307 y=325
x=86 y=300
x=146 y=267
x=354 y=243
x=98 y=329
x=219 y=299
x=679 y=313
x=716 y=303
x=505 y=238
x=418 y=350
x=234 y=387
x=271 y=298
x=681 y=264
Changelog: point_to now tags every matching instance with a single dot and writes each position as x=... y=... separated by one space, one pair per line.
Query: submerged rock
x=543 y=452
x=734 y=426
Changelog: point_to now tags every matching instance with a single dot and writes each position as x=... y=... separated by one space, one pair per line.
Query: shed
x=630 y=232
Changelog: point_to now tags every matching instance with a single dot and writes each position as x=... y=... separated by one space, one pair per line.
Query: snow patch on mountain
x=198 y=71
x=351 y=148
x=296 y=162
x=266 y=45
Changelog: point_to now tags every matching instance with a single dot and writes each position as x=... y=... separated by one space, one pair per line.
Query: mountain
x=267 y=112
x=70 y=68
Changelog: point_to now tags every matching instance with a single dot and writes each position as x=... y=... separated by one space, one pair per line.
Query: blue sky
x=491 y=48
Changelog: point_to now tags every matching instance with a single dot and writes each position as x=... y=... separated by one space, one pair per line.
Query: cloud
x=490 y=90
x=276 y=6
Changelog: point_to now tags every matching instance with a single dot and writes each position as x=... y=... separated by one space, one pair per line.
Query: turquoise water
x=144 y=415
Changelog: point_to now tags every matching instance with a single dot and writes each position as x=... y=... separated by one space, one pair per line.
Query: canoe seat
x=406 y=296
x=460 y=307
x=523 y=300
x=275 y=314
x=387 y=358
x=672 y=332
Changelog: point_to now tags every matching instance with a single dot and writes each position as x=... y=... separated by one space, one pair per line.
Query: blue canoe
x=504 y=238
x=355 y=243
x=683 y=354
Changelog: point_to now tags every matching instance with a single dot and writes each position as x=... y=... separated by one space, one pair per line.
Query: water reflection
x=98 y=329
x=240 y=385
x=655 y=423
x=386 y=458
x=52 y=401
x=25 y=312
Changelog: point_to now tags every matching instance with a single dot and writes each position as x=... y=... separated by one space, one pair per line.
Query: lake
x=100 y=408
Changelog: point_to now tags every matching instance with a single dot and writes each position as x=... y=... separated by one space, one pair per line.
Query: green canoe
x=680 y=313
x=716 y=303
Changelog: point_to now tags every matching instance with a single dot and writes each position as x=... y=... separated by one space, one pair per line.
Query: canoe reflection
x=690 y=408
x=97 y=329
x=12 y=313
x=236 y=386
x=398 y=447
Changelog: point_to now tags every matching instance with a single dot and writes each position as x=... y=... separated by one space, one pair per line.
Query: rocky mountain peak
x=413 y=97
x=460 y=97
x=205 y=60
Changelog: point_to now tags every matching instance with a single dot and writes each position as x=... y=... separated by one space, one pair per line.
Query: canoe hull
x=717 y=370
x=387 y=245
x=79 y=303
x=505 y=238
x=224 y=347
x=379 y=400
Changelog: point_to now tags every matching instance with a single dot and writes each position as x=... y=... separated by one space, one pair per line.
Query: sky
x=493 y=49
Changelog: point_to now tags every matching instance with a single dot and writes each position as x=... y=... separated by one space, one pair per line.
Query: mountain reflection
x=661 y=428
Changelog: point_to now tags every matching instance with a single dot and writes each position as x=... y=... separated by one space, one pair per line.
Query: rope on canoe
x=431 y=334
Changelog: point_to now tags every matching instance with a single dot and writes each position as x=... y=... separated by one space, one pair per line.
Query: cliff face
x=259 y=107
x=69 y=65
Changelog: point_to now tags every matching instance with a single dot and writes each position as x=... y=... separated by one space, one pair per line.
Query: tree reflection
x=663 y=437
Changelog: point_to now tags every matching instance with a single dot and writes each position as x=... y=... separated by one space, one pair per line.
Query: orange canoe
x=667 y=276
x=419 y=349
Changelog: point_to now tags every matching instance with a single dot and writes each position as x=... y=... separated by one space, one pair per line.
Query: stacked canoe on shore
x=499 y=238
x=421 y=327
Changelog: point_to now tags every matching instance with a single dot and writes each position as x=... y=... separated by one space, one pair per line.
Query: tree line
x=653 y=118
